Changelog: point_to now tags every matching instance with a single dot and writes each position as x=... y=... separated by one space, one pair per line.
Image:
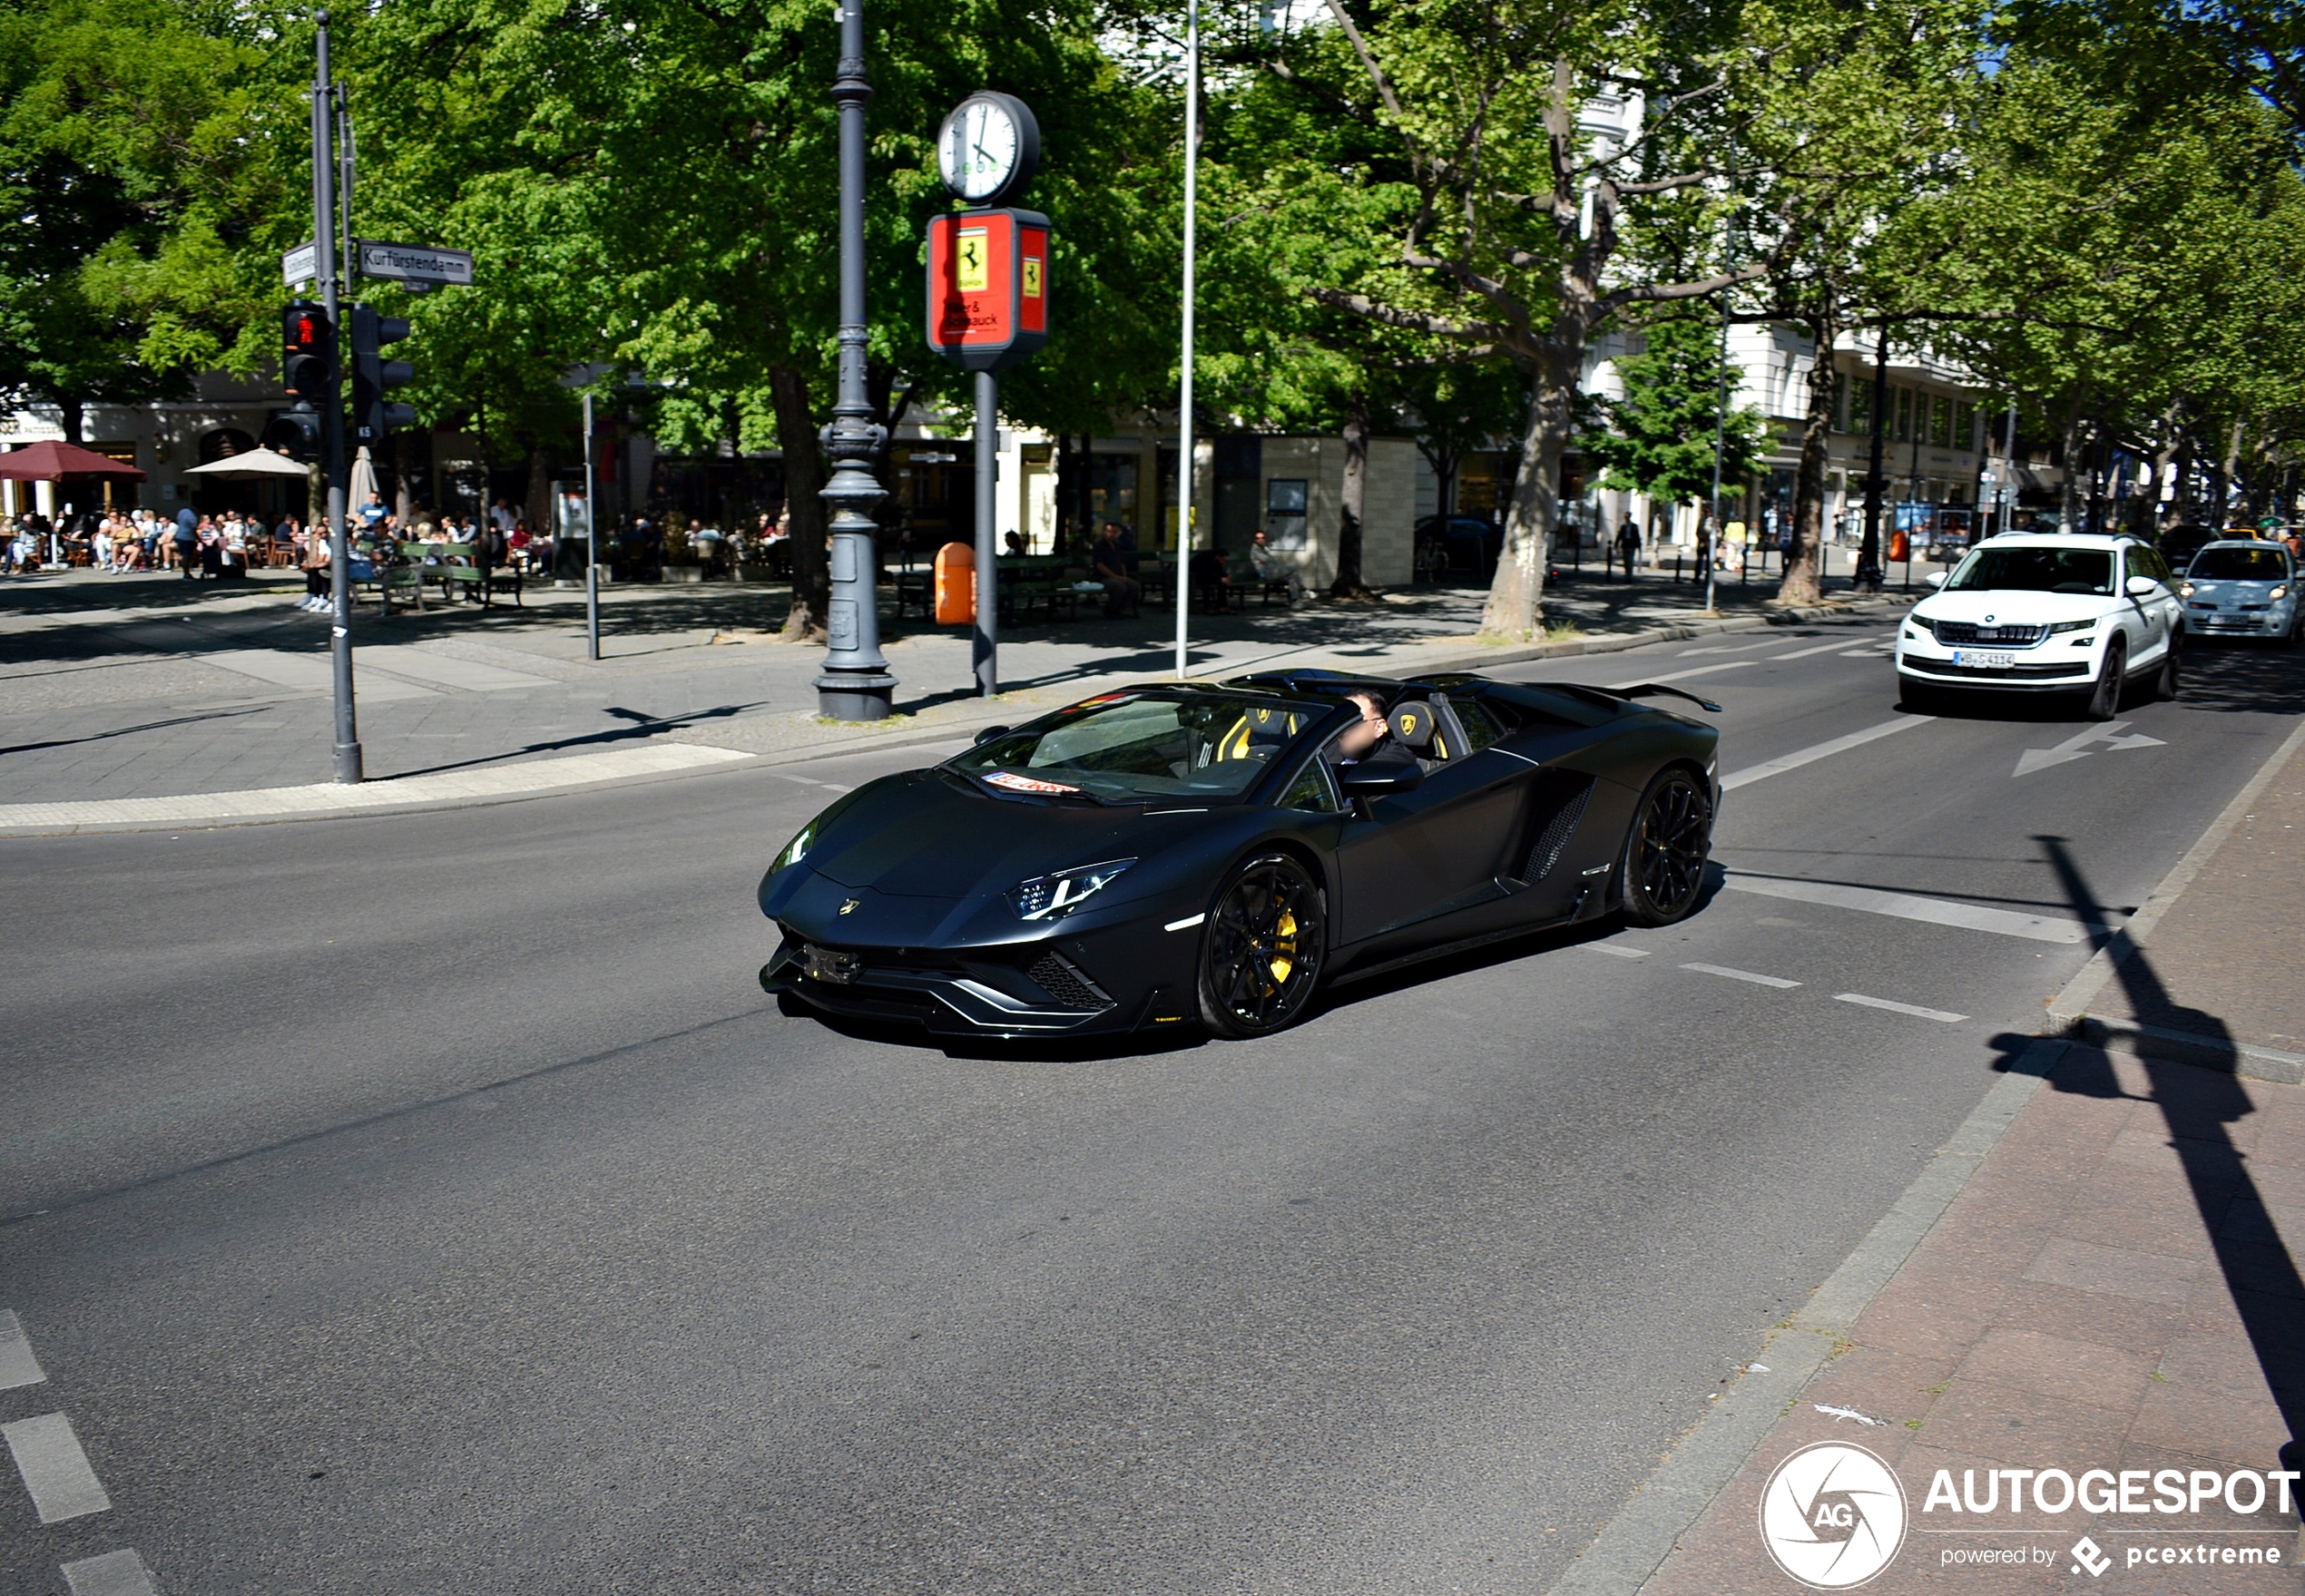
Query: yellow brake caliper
x=1284 y=948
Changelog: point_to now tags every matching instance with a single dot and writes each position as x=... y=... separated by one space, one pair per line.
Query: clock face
x=980 y=149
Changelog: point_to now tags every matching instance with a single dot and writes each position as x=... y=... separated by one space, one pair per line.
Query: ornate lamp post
x=856 y=684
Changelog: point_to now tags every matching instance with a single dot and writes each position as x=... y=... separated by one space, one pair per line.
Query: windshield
x=2035 y=570
x=1134 y=746
x=2239 y=565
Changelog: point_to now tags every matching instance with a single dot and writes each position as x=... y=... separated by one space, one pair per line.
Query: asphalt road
x=433 y=1204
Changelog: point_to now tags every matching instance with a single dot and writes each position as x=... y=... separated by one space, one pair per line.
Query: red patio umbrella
x=52 y=461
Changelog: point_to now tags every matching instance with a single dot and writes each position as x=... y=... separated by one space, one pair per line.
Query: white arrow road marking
x=1682 y=675
x=2077 y=747
x=18 y=1366
x=115 y=1573
x=1906 y=905
x=1822 y=648
x=1815 y=752
x=56 y=1470
x=1741 y=975
x=1613 y=951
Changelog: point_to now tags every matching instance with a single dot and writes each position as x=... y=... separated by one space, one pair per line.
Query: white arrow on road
x=2077 y=747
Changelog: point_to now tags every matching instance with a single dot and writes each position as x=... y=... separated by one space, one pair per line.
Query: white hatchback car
x=2045 y=612
x=2240 y=587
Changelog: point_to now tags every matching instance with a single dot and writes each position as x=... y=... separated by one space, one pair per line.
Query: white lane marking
x=835 y=787
x=18 y=1366
x=1906 y=905
x=1741 y=975
x=1822 y=648
x=1913 y=1009
x=115 y=1573
x=1186 y=925
x=789 y=776
x=1809 y=756
x=55 y=1471
x=1682 y=675
x=1613 y=951
x=1724 y=648
x=1865 y=654
x=2075 y=747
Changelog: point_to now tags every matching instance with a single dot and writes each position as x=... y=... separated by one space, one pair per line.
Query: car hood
x=2249 y=593
x=2004 y=607
x=926 y=835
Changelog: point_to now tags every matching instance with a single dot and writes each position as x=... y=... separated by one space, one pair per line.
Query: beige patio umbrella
x=255 y=464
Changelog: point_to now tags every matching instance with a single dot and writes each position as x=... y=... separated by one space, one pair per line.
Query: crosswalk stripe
x=56 y=1470
x=1913 y=1009
x=1757 y=980
x=1906 y=905
x=115 y=1573
x=18 y=1366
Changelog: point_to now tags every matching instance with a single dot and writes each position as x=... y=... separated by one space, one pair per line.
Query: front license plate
x=1983 y=659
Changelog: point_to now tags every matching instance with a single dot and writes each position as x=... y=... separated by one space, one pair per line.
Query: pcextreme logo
x=1832 y=1515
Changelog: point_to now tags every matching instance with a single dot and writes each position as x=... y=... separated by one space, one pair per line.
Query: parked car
x=2082 y=614
x=1468 y=543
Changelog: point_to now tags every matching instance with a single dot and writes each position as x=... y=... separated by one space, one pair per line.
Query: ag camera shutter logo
x=1832 y=1515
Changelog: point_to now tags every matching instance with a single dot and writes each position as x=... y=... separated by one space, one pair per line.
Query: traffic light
x=294 y=431
x=373 y=376
x=307 y=362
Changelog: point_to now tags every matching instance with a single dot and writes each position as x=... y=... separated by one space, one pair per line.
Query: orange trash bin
x=955 y=584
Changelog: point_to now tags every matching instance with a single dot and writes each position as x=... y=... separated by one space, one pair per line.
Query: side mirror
x=1937 y=578
x=991 y=732
x=1359 y=783
x=2140 y=587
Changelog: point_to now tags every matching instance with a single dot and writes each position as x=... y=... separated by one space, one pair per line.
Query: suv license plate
x=1983 y=659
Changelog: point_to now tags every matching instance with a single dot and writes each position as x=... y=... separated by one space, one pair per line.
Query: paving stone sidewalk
x=131 y=687
x=2115 y=1286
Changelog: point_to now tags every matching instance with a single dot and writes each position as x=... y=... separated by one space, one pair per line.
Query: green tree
x=1659 y=440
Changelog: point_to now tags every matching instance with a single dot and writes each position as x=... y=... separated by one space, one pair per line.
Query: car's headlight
x=2071 y=626
x=2186 y=588
x=798 y=849
x=2279 y=594
x=1048 y=897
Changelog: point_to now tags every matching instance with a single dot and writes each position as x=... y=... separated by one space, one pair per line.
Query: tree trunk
x=1800 y=584
x=1353 y=508
x=1515 y=607
x=75 y=415
x=796 y=428
x=2221 y=480
x=2069 y=504
x=539 y=507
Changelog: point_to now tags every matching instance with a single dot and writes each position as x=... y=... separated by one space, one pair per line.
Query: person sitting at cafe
x=1122 y=591
x=1272 y=569
x=1015 y=541
x=1212 y=578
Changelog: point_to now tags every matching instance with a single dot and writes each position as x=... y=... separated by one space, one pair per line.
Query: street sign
x=988 y=287
x=412 y=263
x=299 y=265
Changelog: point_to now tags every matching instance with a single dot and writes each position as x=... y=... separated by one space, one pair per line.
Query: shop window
x=1284 y=512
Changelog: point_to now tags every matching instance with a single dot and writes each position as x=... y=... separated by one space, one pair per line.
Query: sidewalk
x=130 y=689
x=2114 y=1285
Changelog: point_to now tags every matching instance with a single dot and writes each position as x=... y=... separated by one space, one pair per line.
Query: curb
x=1635 y=1544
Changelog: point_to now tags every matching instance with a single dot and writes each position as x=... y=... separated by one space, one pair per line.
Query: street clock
x=988 y=148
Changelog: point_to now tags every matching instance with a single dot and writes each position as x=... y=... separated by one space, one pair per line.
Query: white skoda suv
x=2045 y=612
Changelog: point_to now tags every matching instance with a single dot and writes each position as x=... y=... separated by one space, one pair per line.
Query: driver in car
x=1372 y=739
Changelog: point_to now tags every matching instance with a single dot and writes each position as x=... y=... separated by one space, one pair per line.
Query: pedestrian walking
x=1628 y=546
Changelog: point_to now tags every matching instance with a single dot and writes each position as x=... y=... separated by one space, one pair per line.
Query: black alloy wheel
x=1665 y=855
x=1261 y=955
x=2164 y=682
x=2104 y=698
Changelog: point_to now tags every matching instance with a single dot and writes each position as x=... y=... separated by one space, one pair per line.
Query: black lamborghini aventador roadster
x=1172 y=856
